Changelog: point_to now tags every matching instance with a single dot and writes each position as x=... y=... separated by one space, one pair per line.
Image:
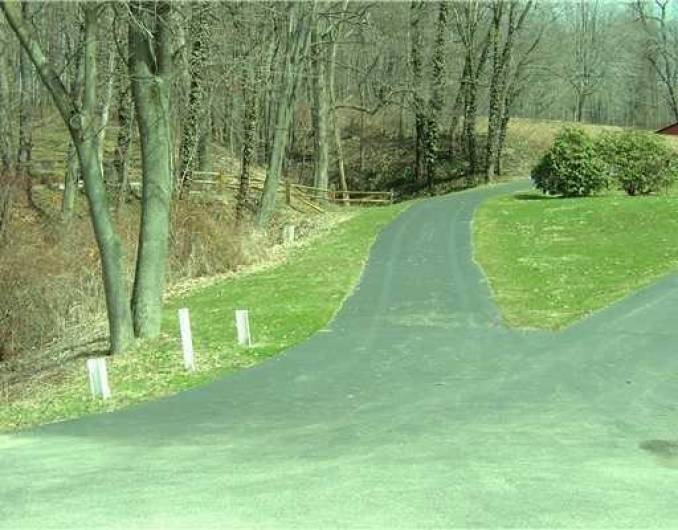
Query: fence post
x=242 y=324
x=98 y=377
x=391 y=197
x=186 y=339
x=288 y=192
x=288 y=235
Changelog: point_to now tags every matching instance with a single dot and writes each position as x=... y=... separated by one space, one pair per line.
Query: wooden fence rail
x=346 y=197
x=307 y=193
x=212 y=181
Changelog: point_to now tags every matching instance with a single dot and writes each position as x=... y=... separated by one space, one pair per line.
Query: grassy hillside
x=52 y=307
x=39 y=256
x=551 y=261
x=287 y=304
x=50 y=145
x=50 y=287
x=528 y=139
x=388 y=158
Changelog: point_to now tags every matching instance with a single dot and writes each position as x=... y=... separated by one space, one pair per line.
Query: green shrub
x=639 y=162
x=571 y=167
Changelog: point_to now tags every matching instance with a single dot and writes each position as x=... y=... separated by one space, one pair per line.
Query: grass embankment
x=551 y=261
x=528 y=139
x=380 y=158
x=287 y=304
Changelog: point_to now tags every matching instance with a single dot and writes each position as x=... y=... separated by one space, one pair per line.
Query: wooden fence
x=346 y=197
x=309 y=196
x=218 y=182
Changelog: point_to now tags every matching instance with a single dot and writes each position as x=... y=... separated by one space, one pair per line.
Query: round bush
x=639 y=162
x=571 y=167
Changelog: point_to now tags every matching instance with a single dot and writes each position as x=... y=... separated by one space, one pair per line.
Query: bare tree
x=296 y=44
x=469 y=17
x=7 y=181
x=82 y=127
x=249 y=136
x=150 y=64
x=662 y=42
x=196 y=119
x=72 y=176
x=334 y=35
x=320 y=105
x=507 y=21
x=421 y=118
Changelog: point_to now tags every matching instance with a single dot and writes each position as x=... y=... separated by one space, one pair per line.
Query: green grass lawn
x=287 y=304
x=551 y=261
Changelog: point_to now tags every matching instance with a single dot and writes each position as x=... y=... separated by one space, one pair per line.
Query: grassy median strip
x=552 y=261
x=287 y=303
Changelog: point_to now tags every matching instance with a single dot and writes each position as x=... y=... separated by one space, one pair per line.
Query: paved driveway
x=415 y=409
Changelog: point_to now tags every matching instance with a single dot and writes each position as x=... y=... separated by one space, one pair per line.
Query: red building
x=669 y=129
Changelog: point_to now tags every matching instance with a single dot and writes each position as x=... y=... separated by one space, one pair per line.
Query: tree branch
x=62 y=100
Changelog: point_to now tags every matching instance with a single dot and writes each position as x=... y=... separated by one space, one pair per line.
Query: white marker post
x=242 y=324
x=98 y=377
x=288 y=235
x=186 y=339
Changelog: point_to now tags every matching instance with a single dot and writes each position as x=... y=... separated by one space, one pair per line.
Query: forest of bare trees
x=284 y=85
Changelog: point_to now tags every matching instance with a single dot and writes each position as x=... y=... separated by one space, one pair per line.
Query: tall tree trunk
x=469 y=16
x=110 y=247
x=513 y=89
x=499 y=82
x=6 y=202
x=25 y=103
x=105 y=105
x=419 y=142
x=194 y=121
x=495 y=98
x=26 y=113
x=151 y=83
x=298 y=39
x=470 y=111
x=125 y=110
x=72 y=175
x=437 y=102
x=6 y=155
x=363 y=130
x=420 y=117
x=320 y=116
x=269 y=108
x=333 y=109
x=249 y=138
x=501 y=141
x=7 y=182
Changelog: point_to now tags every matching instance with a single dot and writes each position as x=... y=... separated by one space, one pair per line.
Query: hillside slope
x=381 y=159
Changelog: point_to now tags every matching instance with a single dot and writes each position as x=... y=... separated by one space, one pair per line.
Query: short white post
x=242 y=324
x=288 y=234
x=186 y=339
x=98 y=377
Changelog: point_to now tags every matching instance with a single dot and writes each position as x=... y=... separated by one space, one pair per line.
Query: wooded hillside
x=412 y=96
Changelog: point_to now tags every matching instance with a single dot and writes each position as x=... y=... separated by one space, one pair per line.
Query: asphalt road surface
x=416 y=408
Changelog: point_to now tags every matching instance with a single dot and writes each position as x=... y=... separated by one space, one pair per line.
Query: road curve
x=416 y=408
